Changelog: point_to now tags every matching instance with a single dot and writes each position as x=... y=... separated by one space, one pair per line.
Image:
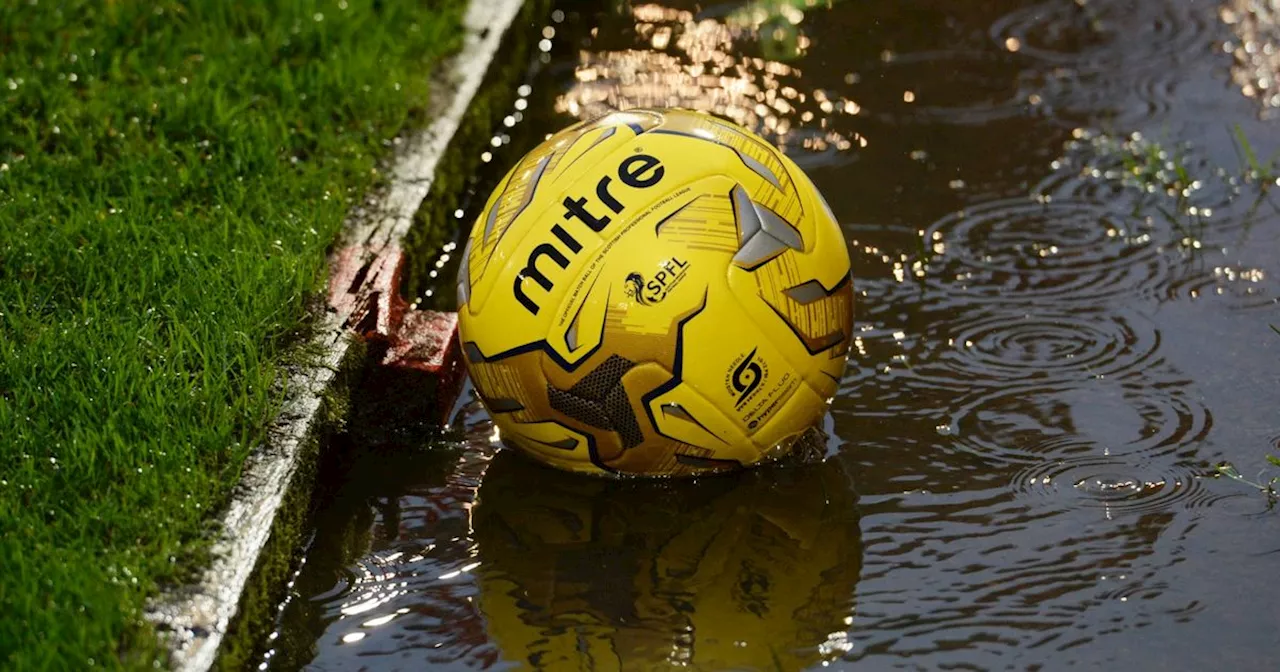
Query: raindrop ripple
x=1030 y=424
x=1074 y=253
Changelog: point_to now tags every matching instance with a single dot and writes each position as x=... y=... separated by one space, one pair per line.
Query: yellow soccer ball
x=655 y=292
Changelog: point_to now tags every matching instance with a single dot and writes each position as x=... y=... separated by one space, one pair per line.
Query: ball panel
x=658 y=453
x=604 y=396
x=706 y=223
x=550 y=441
x=802 y=409
x=509 y=201
x=553 y=263
x=819 y=317
x=684 y=415
x=516 y=396
x=502 y=385
x=764 y=165
x=730 y=364
x=807 y=336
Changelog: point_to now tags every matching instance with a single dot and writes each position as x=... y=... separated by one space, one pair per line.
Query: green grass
x=170 y=176
x=1264 y=172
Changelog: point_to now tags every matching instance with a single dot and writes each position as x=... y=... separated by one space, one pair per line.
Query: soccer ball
x=655 y=292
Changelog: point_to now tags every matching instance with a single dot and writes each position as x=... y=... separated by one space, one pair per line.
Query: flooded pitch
x=1064 y=231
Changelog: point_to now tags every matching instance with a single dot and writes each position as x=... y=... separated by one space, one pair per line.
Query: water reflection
x=1114 y=59
x=743 y=572
x=1017 y=564
x=1255 y=49
x=464 y=559
x=703 y=61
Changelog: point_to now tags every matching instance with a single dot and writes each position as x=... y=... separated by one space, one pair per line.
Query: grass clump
x=1258 y=171
x=1268 y=488
x=170 y=176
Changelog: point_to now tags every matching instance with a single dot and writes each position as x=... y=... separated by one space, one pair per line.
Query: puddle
x=1066 y=279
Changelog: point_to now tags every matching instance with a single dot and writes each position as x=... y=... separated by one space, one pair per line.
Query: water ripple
x=1072 y=252
x=417 y=572
x=1110 y=483
x=1031 y=424
x=982 y=87
x=1023 y=578
x=1125 y=58
x=1106 y=36
x=1236 y=287
x=1006 y=346
x=1200 y=200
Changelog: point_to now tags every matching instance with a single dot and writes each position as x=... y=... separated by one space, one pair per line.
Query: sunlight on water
x=698 y=62
x=1255 y=49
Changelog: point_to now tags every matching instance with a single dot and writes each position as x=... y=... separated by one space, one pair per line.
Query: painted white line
x=194 y=618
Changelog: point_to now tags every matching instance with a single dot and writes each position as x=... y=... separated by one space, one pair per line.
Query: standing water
x=1064 y=231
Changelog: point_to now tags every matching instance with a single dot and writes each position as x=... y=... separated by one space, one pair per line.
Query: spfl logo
x=745 y=377
x=668 y=276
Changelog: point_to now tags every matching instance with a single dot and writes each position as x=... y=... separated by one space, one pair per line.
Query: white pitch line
x=194 y=618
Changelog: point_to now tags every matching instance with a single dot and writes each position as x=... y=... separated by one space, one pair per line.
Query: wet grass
x=1264 y=172
x=1267 y=488
x=1171 y=184
x=170 y=177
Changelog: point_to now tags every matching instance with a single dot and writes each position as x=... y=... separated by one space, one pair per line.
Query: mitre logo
x=638 y=171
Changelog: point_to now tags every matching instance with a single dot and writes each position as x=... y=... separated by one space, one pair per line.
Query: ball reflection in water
x=750 y=570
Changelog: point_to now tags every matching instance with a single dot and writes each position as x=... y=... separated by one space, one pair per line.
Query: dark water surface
x=1066 y=281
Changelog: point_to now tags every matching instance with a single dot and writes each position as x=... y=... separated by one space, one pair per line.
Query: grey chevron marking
x=759 y=169
x=504 y=405
x=750 y=162
x=675 y=410
x=528 y=196
x=563 y=444
x=464 y=275
x=493 y=217
x=472 y=352
x=758 y=250
x=608 y=133
x=778 y=228
x=748 y=220
x=807 y=292
x=571 y=336
x=762 y=234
